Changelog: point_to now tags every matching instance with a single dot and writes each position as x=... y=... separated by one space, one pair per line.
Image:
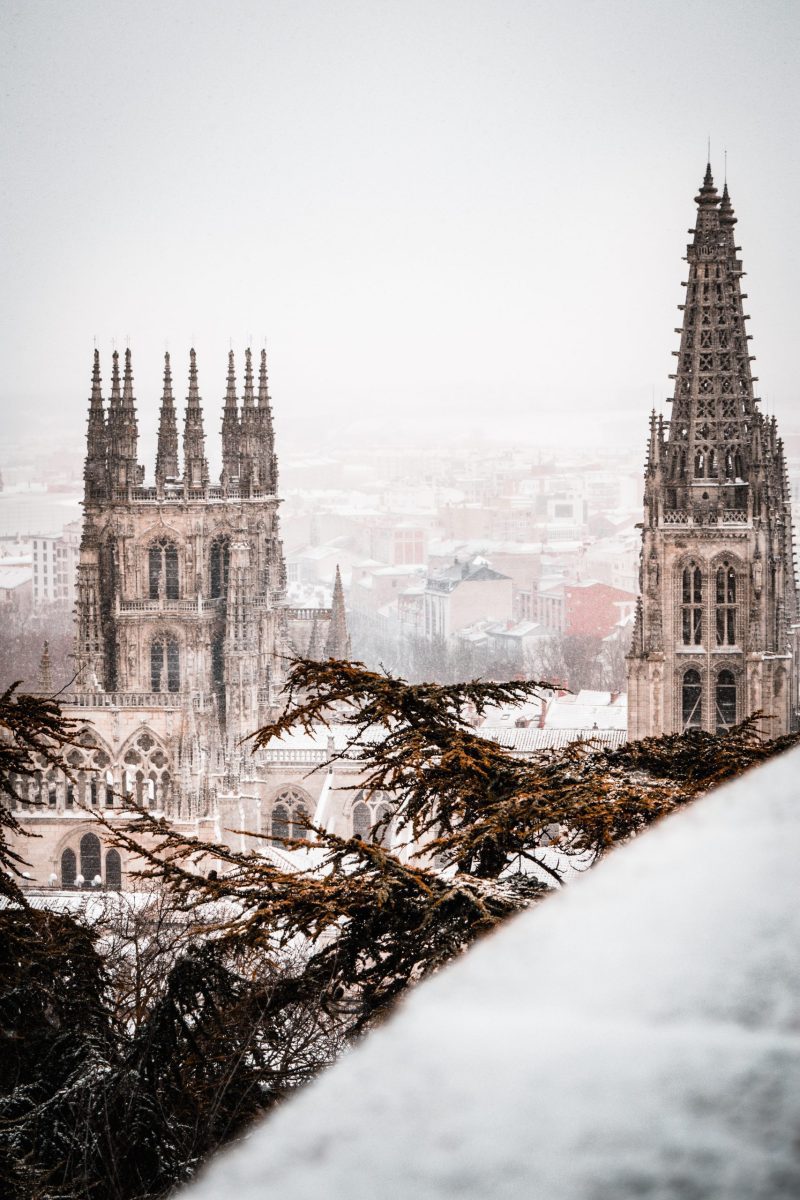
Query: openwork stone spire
x=167 y=452
x=709 y=454
x=195 y=464
x=230 y=428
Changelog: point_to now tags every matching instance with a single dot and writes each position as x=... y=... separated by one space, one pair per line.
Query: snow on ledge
x=637 y=1035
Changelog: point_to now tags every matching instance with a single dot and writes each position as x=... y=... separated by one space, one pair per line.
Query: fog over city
x=442 y=218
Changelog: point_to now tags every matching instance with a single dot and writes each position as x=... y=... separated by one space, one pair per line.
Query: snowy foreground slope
x=636 y=1035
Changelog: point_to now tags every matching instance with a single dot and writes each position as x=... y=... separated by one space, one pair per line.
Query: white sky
x=433 y=212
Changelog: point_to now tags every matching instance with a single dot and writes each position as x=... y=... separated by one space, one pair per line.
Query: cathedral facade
x=183 y=638
x=715 y=637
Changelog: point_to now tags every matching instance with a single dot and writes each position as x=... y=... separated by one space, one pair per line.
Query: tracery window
x=692 y=700
x=726 y=605
x=692 y=605
x=146 y=772
x=165 y=664
x=371 y=818
x=218 y=562
x=726 y=700
x=163 y=563
x=290 y=816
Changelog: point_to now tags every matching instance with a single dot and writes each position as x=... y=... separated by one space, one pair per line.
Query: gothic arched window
x=280 y=824
x=692 y=700
x=692 y=605
x=90 y=857
x=114 y=871
x=726 y=605
x=218 y=561
x=163 y=563
x=726 y=700
x=69 y=869
x=165 y=664
x=369 y=815
x=291 y=815
x=362 y=821
x=300 y=817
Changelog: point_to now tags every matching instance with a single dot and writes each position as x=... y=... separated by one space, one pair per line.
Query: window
x=280 y=824
x=93 y=791
x=368 y=815
x=726 y=700
x=90 y=857
x=692 y=605
x=163 y=560
x=69 y=869
x=290 y=815
x=692 y=700
x=300 y=817
x=218 y=567
x=726 y=605
x=114 y=871
x=165 y=674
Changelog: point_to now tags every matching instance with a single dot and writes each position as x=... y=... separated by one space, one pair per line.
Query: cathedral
x=715 y=637
x=183 y=637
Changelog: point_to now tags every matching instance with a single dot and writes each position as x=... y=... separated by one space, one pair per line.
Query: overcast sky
x=433 y=212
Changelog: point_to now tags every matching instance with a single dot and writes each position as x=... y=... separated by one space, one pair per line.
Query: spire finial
x=96 y=389
x=726 y=214
x=707 y=197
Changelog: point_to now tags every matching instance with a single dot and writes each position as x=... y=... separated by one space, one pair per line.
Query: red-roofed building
x=594 y=609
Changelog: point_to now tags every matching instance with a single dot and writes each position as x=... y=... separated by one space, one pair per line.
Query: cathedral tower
x=715 y=637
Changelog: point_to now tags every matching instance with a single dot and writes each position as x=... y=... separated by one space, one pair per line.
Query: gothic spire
x=230 y=428
x=195 y=464
x=167 y=452
x=709 y=450
x=96 y=439
x=338 y=643
x=268 y=469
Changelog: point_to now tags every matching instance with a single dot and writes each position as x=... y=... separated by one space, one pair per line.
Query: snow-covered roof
x=634 y=1035
x=14 y=576
x=533 y=740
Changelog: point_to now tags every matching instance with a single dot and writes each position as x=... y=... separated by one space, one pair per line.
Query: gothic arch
x=366 y=811
x=147 y=772
x=81 y=850
x=291 y=808
x=163 y=566
x=87 y=761
x=726 y=694
x=690 y=600
x=727 y=577
x=166 y=660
